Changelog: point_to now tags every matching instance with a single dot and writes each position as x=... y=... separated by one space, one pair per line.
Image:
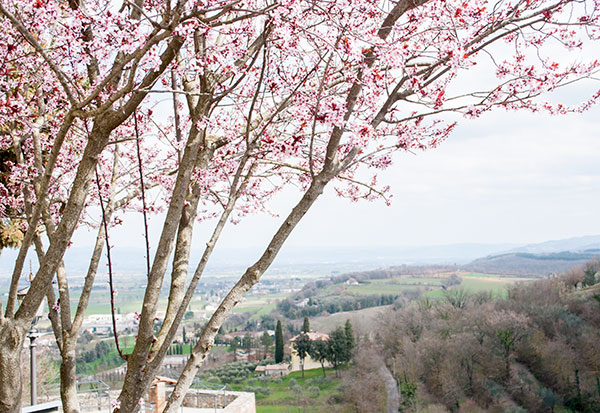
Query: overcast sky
x=504 y=178
x=507 y=177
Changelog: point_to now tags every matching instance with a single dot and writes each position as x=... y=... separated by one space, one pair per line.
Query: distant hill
x=321 y=260
x=590 y=242
x=291 y=260
x=530 y=264
x=540 y=259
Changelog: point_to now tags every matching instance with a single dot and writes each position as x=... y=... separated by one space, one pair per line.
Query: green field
x=473 y=282
x=259 y=305
x=129 y=300
x=393 y=285
x=293 y=393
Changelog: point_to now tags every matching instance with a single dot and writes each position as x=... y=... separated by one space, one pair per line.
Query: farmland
x=292 y=393
x=346 y=293
x=473 y=282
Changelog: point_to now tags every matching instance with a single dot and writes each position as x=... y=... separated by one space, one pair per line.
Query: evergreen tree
x=184 y=337
x=319 y=350
x=233 y=345
x=591 y=271
x=302 y=347
x=278 y=343
x=350 y=340
x=337 y=344
x=247 y=342
x=306 y=326
x=266 y=341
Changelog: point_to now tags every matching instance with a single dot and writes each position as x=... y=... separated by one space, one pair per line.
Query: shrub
x=263 y=390
x=548 y=397
x=515 y=409
x=313 y=391
x=319 y=381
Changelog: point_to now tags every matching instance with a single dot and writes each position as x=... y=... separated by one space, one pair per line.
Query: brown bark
x=15 y=324
x=136 y=363
x=250 y=277
x=68 y=380
x=183 y=247
x=331 y=168
x=11 y=342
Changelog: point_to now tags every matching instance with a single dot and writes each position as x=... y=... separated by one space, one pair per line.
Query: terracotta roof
x=313 y=335
x=163 y=379
x=283 y=366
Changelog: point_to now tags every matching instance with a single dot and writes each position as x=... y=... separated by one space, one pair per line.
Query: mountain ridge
x=344 y=258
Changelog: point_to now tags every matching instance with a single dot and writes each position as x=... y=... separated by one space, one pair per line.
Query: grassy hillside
x=292 y=393
x=347 y=294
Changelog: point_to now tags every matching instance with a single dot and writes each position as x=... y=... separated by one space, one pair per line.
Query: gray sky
x=507 y=177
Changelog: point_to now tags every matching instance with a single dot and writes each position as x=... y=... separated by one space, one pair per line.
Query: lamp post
x=32 y=335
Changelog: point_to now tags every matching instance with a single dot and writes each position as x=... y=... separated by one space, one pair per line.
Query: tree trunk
x=11 y=343
x=506 y=365
x=68 y=382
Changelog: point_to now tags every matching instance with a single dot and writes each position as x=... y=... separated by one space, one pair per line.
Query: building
x=275 y=370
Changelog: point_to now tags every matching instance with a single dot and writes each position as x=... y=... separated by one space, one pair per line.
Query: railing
x=195 y=395
x=93 y=394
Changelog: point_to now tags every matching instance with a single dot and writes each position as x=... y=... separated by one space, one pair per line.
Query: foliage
x=267 y=342
x=103 y=356
x=319 y=351
x=537 y=348
x=592 y=273
x=340 y=347
x=333 y=305
x=292 y=391
x=302 y=345
x=278 y=343
x=350 y=339
x=306 y=325
x=408 y=391
x=235 y=372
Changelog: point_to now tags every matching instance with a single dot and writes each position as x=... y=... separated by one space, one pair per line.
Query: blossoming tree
x=265 y=94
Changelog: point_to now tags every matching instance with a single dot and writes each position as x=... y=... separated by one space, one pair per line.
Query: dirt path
x=393 y=401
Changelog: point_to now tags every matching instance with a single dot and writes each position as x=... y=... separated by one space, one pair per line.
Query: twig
x=139 y=156
x=110 y=275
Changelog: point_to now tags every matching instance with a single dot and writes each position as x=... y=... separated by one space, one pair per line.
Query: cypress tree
x=306 y=326
x=351 y=342
x=278 y=343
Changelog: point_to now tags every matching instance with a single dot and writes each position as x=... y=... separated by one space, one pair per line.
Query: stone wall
x=226 y=401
